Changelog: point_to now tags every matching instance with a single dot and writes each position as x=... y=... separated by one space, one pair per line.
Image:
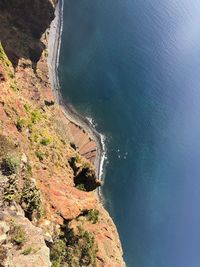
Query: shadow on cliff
x=22 y=23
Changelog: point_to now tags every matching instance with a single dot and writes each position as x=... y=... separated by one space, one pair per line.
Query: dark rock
x=49 y=103
x=87 y=177
x=22 y=23
x=2 y=75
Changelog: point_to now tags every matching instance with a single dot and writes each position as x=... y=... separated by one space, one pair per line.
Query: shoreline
x=54 y=44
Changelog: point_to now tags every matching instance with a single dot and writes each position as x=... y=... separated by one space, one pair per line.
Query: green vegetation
x=14 y=85
x=74 y=249
x=6 y=64
x=9 y=165
x=87 y=248
x=86 y=165
x=3 y=57
x=45 y=141
x=27 y=251
x=81 y=187
x=34 y=137
x=30 y=199
x=93 y=216
x=27 y=107
x=10 y=190
x=36 y=116
x=18 y=235
x=58 y=253
x=21 y=123
x=40 y=155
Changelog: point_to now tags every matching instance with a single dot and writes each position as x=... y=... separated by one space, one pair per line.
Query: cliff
x=50 y=213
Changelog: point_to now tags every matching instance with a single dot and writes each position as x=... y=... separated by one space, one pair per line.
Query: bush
x=74 y=249
x=45 y=141
x=21 y=123
x=87 y=248
x=30 y=199
x=58 y=253
x=10 y=190
x=40 y=155
x=93 y=216
x=18 y=235
x=36 y=116
x=9 y=165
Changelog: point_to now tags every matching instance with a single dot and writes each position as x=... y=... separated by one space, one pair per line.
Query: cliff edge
x=50 y=214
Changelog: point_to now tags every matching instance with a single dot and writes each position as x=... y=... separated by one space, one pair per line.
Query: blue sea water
x=134 y=67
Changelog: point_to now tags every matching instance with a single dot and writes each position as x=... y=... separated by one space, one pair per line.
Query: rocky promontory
x=50 y=213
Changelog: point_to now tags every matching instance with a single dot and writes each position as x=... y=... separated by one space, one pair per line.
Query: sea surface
x=134 y=67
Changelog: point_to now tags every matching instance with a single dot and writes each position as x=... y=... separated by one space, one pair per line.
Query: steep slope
x=49 y=207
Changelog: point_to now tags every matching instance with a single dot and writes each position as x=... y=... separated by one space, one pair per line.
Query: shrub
x=30 y=199
x=87 y=248
x=86 y=165
x=21 y=123
x=36 y=116
x=34 y=137
x=74 y=249
x=45 y=141
x=9 y=165
x=40 y=155
x=58 y=253
x=93 y=216
x=18 y=235
x=10 y=190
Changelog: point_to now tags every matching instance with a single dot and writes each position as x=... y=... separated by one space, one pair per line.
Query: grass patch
x=27 y=251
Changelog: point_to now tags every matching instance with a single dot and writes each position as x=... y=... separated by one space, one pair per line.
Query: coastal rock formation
x=50 y=210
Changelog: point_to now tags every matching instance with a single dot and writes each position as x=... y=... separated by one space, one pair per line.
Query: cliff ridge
x=50 y=212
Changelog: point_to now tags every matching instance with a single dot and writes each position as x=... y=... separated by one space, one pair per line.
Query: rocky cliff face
x=49 y=210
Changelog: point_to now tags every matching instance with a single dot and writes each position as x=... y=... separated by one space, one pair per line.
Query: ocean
x=134 y=68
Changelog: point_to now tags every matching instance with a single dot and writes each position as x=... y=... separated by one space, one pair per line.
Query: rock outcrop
x=50 y=211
